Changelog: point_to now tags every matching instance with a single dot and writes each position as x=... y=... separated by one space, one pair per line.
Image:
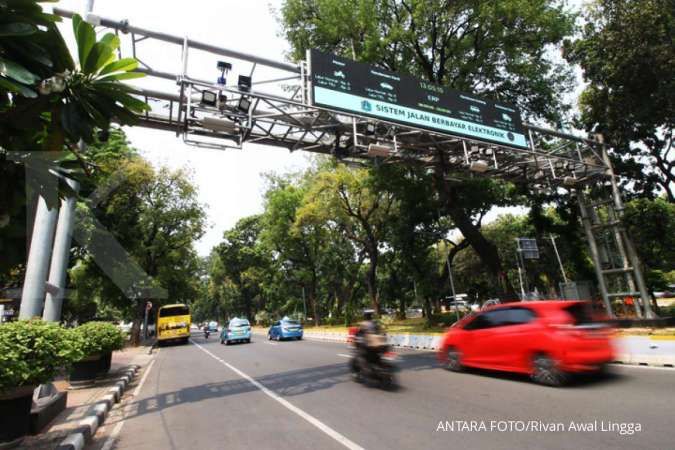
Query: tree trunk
x=486 y=250
x=371 y=280
x=136 y=324
x=427 y=310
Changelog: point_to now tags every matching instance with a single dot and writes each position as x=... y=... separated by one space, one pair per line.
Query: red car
x=545 y=339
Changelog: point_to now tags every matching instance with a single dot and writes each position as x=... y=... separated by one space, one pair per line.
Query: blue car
x=238 y=330
x=285 y=329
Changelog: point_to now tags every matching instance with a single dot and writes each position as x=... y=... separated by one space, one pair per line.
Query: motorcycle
x=380 y=370
x=206 y=333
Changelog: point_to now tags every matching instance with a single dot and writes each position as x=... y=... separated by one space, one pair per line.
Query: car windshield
x=291 y=323
x=241 y=323
x=174 y=311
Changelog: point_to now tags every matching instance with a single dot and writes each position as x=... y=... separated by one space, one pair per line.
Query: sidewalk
x=81 y=401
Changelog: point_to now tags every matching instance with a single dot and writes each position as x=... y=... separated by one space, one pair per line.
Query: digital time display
x=345 y=85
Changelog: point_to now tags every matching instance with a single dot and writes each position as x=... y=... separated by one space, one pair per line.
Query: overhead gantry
x=270 y=103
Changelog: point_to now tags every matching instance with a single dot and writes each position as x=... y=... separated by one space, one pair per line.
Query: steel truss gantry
x=277 y=110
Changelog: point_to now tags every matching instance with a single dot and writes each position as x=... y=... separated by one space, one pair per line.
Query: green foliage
x=33 y=352
x=496 y=49
x=263 y=318
x=47 y=102
x=94 y=338
x=488 y=47
x=627 y=54
x=651 y=227
x=155 y=216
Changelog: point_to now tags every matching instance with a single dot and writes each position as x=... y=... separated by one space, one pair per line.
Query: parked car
x=285 y=329
x=547 y=340
x=461 y=305
x=238 y=330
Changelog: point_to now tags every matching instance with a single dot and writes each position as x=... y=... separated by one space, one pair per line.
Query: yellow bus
x=173 y=323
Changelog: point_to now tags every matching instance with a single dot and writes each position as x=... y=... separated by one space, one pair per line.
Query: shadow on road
x=285 y=384
x=575 y=381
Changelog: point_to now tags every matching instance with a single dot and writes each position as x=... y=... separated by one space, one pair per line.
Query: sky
x=230 y=182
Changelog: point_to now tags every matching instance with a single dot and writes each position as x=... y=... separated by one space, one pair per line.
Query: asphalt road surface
x=299 y=395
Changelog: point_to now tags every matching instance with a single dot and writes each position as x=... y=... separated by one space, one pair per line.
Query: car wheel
x=248 y=341
x=545 y=371
x=454 y=361
x=269 y=337
x=278 y=338
x=221 y=341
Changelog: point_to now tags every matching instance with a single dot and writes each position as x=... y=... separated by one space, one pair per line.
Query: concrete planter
x=91 y=367
x=15 y=405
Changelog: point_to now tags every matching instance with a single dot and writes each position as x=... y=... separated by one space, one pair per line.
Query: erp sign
x=350 y=86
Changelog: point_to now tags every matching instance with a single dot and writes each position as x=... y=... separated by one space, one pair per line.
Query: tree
x=155 y=216
x=627 y=55
x=413 y=230
x=651 y=226
x=299 y=246
x=351 y=200
x=238 y=266
x=498 y=49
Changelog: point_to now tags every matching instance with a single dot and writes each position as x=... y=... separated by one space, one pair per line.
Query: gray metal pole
x=520 y=277
x=452 y=285
x=557 y=255
x=60 y=256
x=37 y=266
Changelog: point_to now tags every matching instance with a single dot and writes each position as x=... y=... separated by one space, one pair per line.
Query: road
x=299 y=395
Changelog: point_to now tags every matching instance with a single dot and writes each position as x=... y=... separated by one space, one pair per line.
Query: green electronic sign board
x=345 y=85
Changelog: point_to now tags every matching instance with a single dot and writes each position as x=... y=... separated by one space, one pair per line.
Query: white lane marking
x=271 y=343
x=309 y=418
x=118 y=428
x=635 y=366
x=344 y=355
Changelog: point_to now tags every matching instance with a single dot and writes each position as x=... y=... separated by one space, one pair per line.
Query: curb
x=88 y=426
x=646 y=360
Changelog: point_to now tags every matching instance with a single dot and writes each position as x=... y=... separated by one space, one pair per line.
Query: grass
x=651 y=332
x=407 y=326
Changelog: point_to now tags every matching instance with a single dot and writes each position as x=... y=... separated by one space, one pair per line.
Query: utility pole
x=520 y=275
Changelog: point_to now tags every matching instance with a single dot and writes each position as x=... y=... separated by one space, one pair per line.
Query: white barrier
x=421 y=341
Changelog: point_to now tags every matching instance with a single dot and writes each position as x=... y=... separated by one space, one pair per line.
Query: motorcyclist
x=206 y=331
x=369 y=340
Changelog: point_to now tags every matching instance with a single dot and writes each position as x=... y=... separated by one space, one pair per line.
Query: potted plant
x=31 y=353
x=95 y=342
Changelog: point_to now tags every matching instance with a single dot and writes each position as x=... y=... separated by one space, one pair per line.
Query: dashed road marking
x=309 y=418
x=118 y=428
